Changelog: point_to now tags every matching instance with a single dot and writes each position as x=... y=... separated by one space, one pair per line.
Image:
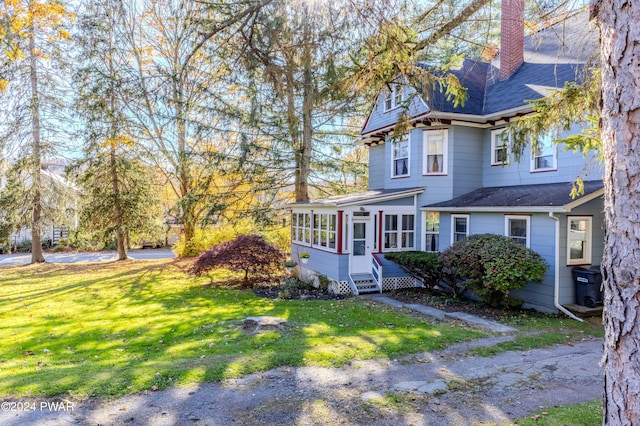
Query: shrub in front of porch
x=490 y=266
x=421 y=265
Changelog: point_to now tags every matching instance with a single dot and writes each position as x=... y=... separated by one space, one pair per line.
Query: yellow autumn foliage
x=115 y=142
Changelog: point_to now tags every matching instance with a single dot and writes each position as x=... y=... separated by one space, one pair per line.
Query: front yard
x=117 y=328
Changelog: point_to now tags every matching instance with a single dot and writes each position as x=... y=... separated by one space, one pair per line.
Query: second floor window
x=499 y=147
x=400 y=154
x=544 y=156
x=435 y=152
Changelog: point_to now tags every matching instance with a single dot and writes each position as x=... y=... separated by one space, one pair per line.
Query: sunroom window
x=324 y=230
x=399 y=231
x=301 y=227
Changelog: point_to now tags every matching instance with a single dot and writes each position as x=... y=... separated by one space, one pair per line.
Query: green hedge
x=421 y=265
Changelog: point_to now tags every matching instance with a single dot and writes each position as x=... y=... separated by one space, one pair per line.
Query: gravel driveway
x=435 y=388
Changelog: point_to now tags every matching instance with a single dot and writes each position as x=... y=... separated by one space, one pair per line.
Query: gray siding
x=592 y=208
x=333 y=265
x=570 y=165
x=379 y=118
x=377 y=166
x=466 y=145
x=542 y=242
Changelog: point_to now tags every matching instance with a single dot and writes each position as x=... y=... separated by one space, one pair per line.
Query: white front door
x=361 y=246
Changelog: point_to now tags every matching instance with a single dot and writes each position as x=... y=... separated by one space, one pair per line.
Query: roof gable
x=552 y=56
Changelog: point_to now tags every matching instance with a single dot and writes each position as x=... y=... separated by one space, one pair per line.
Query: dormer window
x=393 y=98
x=544 y=157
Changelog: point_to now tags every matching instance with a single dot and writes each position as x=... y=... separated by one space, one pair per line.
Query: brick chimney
x=511 y=37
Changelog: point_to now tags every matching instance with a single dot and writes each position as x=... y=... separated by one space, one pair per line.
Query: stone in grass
x=254 y=324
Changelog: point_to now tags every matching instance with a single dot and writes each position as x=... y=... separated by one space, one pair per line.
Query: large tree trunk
x=36 y=207
x=117 y=205
x=115 y=184
x=620 y=125
x=303 y=154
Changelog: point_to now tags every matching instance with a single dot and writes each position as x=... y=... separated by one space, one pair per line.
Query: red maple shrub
x=250 y=254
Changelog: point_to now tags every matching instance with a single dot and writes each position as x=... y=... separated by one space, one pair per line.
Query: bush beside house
x=491 y=266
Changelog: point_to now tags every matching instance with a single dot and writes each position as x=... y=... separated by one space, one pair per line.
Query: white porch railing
x=376 y=271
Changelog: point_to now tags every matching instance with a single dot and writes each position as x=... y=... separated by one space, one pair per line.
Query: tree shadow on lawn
x=137 y=340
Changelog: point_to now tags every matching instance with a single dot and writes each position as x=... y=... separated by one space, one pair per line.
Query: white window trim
x=453 y=224
x=317 y=243
x=307 y=226
x=445 y=151
x=406 y=139
x=518 y=217
x=554 y=165
x=494 y=135
x=586 y=260
x=394 y=95
x=398 y=231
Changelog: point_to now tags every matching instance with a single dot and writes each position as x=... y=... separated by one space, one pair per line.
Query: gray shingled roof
x=549 y=195
x=371 y=196
x=552 y=56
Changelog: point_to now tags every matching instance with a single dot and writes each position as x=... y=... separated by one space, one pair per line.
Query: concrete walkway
x=439 y=314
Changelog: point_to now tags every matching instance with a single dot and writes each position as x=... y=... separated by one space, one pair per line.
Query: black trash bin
x=588 y=283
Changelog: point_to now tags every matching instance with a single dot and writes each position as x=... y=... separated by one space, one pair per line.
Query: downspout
x=556 y=293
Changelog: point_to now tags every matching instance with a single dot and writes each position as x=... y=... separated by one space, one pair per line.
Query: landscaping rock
x=254 y=324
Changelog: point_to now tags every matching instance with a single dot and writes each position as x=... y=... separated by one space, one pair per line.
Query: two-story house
x=453 y=174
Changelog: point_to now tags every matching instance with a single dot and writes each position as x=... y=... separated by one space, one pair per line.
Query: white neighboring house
x=57 y=189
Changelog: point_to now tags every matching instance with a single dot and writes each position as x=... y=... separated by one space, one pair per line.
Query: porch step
x=365 y=283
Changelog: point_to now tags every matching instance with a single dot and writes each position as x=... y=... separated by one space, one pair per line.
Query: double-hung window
x=399 y=231
x=517 y=228
x=435 y=152
x=393 y=97
x=499 y=147
x=400 y=158
x=432 y=231
x=459 y=227
x=579 y=240
x=544 y=156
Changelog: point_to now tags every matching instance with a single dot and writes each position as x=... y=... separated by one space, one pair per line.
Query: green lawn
x=117 y=328
x=587 y=414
